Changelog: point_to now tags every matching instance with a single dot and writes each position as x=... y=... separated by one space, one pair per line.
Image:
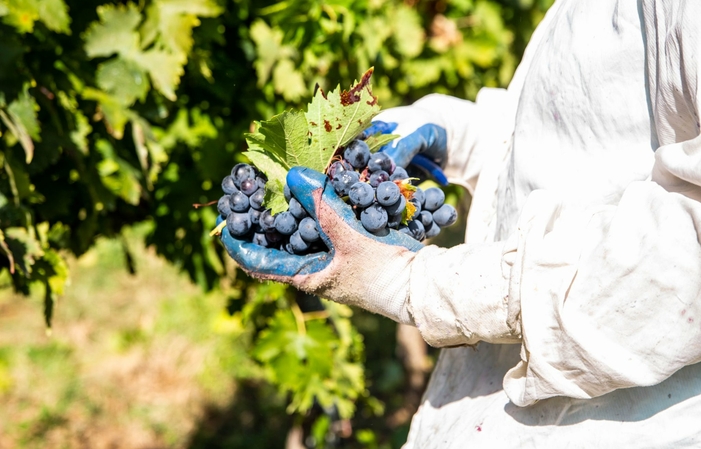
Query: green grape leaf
x=288 y=81
x=269 y=49
x=115 y=32
x=123 y=79
x=165 y=69
x=408 y=33
x=54 y=14
x=336 y=119
x=20 y=117
x=285 y=137
x=379 y=140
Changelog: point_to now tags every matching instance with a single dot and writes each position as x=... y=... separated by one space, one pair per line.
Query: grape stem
x=218 y=229
x=299 y=318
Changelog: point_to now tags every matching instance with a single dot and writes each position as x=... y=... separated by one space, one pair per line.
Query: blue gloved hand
x=360 y=268
x=423 y=142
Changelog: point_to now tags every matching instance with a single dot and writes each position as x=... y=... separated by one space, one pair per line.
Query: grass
x=133 y=360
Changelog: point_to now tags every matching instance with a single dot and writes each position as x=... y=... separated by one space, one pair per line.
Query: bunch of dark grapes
x=376 y=188
x=378 y=191
x=246 y=218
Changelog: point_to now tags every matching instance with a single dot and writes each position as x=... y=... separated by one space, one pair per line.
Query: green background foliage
x=119 y=113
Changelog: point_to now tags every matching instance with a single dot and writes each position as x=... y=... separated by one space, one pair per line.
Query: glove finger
x=429 y=140
x=378 y=127
x=271 y=263
x=311 y=187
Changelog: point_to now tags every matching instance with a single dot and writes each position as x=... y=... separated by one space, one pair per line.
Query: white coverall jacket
x=582 y=269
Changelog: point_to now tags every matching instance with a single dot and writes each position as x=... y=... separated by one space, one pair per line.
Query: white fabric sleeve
x=602 y=297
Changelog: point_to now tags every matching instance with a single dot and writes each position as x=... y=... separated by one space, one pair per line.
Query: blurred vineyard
x=117 y=117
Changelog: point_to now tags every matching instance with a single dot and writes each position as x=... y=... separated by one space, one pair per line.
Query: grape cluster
x=247 y=219
x=378 y=190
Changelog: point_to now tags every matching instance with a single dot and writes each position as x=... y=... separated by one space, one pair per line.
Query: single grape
x=432 y=230
x=419 y=196
x=338 y=167
x=393 y=221
x=398 y=207
x=399 y=173
x=378 y=177
x=374 y=218
x=249 y=186
x=297 y=243
x=254 y=215
x=380 y=161
x=357 y=153
x=426 y=218
x=224 y=206
x=240 y=172
x=256 y=200
x=404 y=229
x=239 y=202
x=267 y=220
x=260 y=239
x=308 y=230
x=287 y=193
x=273 y=237
x=261 y=182
x=446 y=215
x=434 y=198
x=343 y=181
x=285 y=223
x=387 y=193
x=296 y=209
x=228 y=185
x=361 y=194
x=238 y=224
x=417 y=229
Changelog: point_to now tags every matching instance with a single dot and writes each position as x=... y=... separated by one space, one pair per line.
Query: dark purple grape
x=240 y=172
x=446 y=215
x=434 y=198
x=374 y=218
x=338 y=167
x=224 y=206
x=238 y=224
x=417 y=230
x=378 y=178
x=343 y=181
x=387 y=193
x=380 y=161
x=419 y=196
x=398 y=207
x=296 y=209
x=273 y=237
x=426 y=218
x=393 y=221
x=297 y=243
x=432 y=230
x=287 y=193
x=361 y=194
x=260 y=239
x=239 y=202
x=249 y=186
x=267 y=220
x=357 y=153
x=308 y=230
x=228 y=185
x=254 y=215
x=285 y=223
x=256 y=200
x=398 y=174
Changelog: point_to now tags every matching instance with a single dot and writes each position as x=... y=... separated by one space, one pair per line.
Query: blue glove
x=422 y=144
x=360 y=268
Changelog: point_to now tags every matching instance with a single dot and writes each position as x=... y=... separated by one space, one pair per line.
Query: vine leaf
x=337 y=118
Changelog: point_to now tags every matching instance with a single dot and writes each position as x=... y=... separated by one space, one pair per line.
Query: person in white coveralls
x=580 y=278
